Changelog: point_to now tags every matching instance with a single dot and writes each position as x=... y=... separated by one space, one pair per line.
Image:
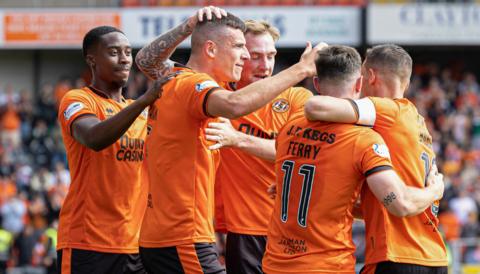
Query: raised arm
x=97 y=135
x=402 y=200
x=226 y=136
x=252 y=97
x=330 y=109
x=153 y=59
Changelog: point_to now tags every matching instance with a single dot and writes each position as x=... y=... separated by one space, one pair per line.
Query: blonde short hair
x=260 y=27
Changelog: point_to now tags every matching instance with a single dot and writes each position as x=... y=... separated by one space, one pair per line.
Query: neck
x=392 y=90
x=347 y=95
x=339 y=89
x=390 y=86
x=109 y=90
x=241 y=84
x=201 y=65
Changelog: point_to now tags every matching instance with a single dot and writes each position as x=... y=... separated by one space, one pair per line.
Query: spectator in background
x=449 y=223
x=13 y=213
x=23 y=175
x=469 y=173
x=459 y=124
x=42 y=181
x=37 y=212
x=471 y=230
x=10 y=123
x=24 y=246
x=475 y=129
x=42 y=146
x=463 y=205
x=26 y=109
x=8 y=188
x=49 y=240
x=62 y=87
x=62 y=175
x=46 y=105
x=452 y=159
x=470 y=86
x=6 y=243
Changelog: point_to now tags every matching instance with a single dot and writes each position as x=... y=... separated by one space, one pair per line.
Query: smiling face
x=230 y=56
x=112 y=59
x=262 y=58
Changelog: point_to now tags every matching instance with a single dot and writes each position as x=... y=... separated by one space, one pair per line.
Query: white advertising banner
x=424 y=24
x=296 y=24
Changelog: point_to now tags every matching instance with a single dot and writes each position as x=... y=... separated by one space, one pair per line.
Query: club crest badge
x=281 y=105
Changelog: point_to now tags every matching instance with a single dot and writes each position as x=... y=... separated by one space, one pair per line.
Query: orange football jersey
x=415 y=239
x=107 y=198
x=320 y=170
x=244 y=178
x=181 y=168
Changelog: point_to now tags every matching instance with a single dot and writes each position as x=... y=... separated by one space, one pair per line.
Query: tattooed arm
x=402 y=200
x=153 y=59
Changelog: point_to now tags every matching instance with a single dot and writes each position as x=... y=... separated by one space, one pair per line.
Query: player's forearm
x=392 y=192
x=153 y=59
x=419 y=199
x=260 y=147
x=330 y=109
x=408 y=201
x=105 y=133
x=254 y=96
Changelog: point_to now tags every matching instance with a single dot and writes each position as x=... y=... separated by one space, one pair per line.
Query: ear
x=90 y=60
x=316 y=84
x=210 y=49
x=372 y=76
x=358 y=85
x=407 y=85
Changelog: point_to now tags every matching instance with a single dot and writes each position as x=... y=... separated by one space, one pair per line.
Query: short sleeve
x=387 y=111
x=74 y=104
x=298 y=98
x=194 y=90
x=372 y=153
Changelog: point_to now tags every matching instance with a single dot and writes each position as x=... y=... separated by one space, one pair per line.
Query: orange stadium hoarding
x=65 y=28
x=53 y=28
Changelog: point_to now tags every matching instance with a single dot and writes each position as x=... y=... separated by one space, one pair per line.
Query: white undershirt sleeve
x=366 y=112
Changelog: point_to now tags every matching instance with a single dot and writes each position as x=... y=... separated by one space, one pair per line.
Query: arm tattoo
x=389 y=199
x=153 y=60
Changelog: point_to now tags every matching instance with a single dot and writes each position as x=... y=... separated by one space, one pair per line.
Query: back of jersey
x=320 y=169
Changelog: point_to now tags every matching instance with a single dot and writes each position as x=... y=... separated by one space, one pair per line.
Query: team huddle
x=219 y=144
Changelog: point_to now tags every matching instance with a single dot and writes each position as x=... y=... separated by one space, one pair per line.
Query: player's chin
x=121 y=82
x=236 y=76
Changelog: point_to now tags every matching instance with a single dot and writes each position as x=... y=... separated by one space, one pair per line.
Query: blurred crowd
x=34 y=177
x=449 y=98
